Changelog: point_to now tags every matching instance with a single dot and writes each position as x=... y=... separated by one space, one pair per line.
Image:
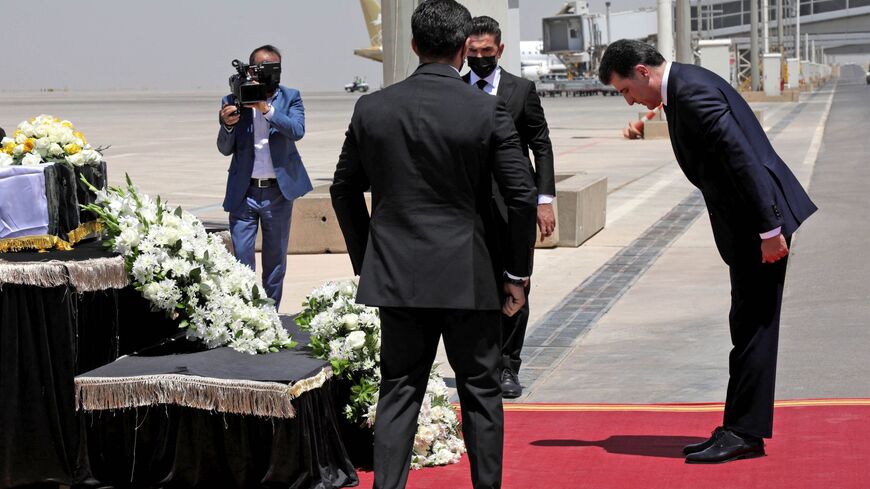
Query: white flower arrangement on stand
x=47 y=139
x=349 y=336
x=188 y=273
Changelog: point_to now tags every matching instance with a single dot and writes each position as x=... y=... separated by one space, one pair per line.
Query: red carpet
x=817 y=444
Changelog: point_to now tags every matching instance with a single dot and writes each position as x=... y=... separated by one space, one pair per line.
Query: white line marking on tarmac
x=642 y=197
x=816 y=144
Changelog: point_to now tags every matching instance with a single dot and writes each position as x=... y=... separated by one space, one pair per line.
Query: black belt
x=264 y=182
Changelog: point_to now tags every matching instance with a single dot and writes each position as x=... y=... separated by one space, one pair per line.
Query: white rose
x=31 y=159
x=355 y=340
x=20 y=138
x=40 y=131
x=347 y=290
x=91 y=156
x=55 y=150
x=5 y=159
x=76 y=159
x=351 y=322
x=26 y=129
x=6 y=141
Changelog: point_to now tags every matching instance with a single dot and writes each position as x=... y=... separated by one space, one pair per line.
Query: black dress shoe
x=700 y=447
x=510 y=385
x=728 y=446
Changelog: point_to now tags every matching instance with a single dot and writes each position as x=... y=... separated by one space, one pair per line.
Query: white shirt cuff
x=545 y=199
x=514 y=277
x=772 y=233
x=268 y=114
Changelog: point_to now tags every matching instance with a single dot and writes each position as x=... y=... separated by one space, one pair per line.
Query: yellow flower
x=72 y=149
x=28 y=145
x=16 y=133
x=79 y=135
x=8 y=147
x=67 y=124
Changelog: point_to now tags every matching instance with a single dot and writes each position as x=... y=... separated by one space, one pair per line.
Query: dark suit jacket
x=724 y=151
x=523 y=103
x=427 y=147
x=287 y=127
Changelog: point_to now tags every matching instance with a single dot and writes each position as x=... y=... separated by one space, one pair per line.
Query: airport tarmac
x=661 y=335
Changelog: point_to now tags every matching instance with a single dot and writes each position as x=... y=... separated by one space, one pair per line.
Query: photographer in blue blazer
x=266 y=173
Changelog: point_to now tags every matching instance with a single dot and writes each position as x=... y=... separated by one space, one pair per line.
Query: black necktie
x=481 y=84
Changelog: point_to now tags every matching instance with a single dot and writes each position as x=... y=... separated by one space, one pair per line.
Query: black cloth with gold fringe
x=97 y=390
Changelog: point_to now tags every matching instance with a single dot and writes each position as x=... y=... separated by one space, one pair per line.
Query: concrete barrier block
x=314 y=227
x=655 y=130
x=582 y=208
x=762 y=97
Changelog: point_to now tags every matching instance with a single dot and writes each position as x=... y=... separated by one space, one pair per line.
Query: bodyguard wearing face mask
x=484 y=50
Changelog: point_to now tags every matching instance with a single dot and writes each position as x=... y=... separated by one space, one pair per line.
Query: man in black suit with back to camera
x=484 y=51
x=428 y=148
x=755 y=204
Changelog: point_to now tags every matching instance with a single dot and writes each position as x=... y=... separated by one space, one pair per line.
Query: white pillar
x=511 y=38
x=765 y=27
x=807 y=46
x=399 y=60
x=684 y=33
x=772 y=73
x=797 y=29
x=666 y=29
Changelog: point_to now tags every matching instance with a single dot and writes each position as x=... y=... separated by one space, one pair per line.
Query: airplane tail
x=372 y=14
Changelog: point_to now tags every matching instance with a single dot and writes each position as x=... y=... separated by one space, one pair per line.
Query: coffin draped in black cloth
x=49 y=334
x=171 y=445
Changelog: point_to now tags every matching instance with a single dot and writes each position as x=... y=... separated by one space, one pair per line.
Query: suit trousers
x=267 y=207
x=514 y=335
x=756 y=301
x=409 y=340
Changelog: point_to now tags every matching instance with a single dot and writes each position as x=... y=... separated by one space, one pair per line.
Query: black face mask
x=482 y=66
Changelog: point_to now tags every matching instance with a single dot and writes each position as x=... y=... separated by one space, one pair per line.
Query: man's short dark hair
x=483 y=25
x=623 y=55
x=267 y=48
x=440 y=28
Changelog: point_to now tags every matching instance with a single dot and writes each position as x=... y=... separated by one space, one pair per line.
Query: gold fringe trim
x=311 y=383
x=221 y=395
x=246 y=397
x=84 y=230
x=97 y=274
x=45 y=242
x=85 y=276
x=41 y=242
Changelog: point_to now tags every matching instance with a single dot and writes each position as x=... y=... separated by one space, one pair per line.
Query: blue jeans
x=269 y=207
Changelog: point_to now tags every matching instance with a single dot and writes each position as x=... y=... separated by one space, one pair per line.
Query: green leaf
x=178 y=211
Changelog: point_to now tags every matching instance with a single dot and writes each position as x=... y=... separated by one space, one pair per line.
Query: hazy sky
x=188 y=44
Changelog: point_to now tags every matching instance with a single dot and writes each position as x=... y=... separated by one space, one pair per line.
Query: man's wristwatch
x=511 y=280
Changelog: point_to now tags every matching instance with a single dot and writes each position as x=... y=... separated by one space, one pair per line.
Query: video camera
x=252 y=83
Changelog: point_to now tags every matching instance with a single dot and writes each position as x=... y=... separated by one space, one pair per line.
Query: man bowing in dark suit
x=755 y=204
x=484 y=51
x=427 y=147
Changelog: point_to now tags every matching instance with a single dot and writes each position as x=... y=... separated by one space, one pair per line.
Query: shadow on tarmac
x=662 y=446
